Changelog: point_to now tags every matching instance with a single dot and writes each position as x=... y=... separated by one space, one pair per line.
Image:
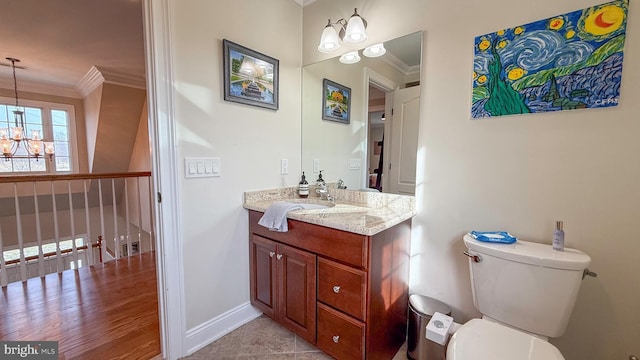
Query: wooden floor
x=106 y=311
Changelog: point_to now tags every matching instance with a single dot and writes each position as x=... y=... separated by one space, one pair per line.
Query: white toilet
x=526 y=292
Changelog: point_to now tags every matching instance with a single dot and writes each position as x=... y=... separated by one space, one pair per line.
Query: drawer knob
x=336 y=338
x=279 y=256
x=271 y=253
x=336 y=289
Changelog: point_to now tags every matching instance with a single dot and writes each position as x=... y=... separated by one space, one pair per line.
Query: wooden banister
x=120 y=185
x=88 y=176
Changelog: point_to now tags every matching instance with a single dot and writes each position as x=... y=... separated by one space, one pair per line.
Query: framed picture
x=249 y=77
x=336 y=102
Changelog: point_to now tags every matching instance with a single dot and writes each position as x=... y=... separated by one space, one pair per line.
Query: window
x=55 y=123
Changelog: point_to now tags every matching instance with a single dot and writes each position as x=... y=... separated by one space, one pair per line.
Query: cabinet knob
x=279 y=256
x=336 y=289
x=336 y=338
x=271 y=253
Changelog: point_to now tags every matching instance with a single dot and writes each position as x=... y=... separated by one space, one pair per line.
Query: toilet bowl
x=526 y=292
x=481 y=339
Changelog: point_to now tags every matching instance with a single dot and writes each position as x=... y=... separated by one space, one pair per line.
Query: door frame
x=164 y=164
x=388 y=86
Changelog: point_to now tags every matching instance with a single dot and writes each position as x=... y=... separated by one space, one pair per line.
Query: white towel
x=275 y=217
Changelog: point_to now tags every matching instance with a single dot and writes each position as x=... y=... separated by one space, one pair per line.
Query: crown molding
x=304 y=2
x=41 y=88
x=96 y=76
x=400 y=65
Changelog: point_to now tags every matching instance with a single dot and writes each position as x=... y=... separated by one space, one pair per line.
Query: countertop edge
x=369 y=222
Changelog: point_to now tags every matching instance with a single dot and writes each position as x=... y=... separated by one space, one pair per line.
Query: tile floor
x=263 y=338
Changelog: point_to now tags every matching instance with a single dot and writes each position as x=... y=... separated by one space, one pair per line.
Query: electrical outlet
x=316 y=165
x=284 y=166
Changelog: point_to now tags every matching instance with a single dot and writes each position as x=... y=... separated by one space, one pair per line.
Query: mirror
x=355 y=151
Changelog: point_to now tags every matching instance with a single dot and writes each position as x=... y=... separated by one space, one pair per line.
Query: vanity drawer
x=339 y=335
x=342 y=287
x=344 y=246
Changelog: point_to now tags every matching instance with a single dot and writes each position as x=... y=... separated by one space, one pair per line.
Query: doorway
x=392 y=135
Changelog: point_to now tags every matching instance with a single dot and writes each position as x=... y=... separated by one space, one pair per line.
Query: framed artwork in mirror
x=250 y=77
x=336 y=102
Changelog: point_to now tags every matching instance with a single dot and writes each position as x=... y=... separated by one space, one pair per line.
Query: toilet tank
x=526 y=285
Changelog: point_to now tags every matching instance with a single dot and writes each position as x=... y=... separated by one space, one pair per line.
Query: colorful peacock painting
x=566 y=62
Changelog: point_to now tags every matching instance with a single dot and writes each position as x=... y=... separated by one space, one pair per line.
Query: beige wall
x=92 y=113
x=141 y=161
x=517 y=173
x=250 y=141
x=117 y=126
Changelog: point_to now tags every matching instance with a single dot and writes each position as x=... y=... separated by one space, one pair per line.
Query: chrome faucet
x=323 y=192
x=341 y=184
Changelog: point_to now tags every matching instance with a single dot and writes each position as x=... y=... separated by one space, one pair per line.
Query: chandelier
x=13 y=139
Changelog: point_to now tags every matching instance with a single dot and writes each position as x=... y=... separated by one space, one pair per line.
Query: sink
x=312 y=204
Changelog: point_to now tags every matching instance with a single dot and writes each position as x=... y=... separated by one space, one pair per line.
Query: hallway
x=106 y=311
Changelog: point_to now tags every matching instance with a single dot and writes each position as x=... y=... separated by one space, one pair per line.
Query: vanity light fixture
x=13 y=142
x=350 y=58
x=374 y=50
x=352 y=31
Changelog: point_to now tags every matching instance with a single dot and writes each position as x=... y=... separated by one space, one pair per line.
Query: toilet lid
x=481 y=339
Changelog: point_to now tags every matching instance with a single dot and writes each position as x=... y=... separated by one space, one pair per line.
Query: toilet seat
x=481 y=339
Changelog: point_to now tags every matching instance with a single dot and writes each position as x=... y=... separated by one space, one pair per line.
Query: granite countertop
x=360 y=212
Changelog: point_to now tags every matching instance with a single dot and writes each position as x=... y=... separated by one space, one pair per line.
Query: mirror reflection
x=376 y=149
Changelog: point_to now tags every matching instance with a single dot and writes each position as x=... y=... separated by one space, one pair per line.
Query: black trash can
x=421 y=309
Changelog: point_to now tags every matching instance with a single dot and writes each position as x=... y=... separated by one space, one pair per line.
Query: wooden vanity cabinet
x=283 y=285
x=358 y=298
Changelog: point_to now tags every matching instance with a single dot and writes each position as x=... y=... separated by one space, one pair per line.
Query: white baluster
x=41 y=271
x=3 y=269
x=23 y=265
x=104 y=238
x=89 y=251
x=74 y=249
x=56 y=230
x=116 y=237
x=139 y=213
x=126 y=211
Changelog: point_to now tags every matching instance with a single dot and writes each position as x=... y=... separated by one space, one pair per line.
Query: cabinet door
x=297 y=292
x=262 y=263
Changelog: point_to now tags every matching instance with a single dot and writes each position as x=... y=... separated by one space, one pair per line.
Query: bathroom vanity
x=339 y=277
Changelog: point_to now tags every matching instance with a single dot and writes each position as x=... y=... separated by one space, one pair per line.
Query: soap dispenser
x=320 y=184
x=320 y=180
x=303 y=187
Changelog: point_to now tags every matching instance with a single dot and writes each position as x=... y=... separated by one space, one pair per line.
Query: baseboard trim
x=212 y=330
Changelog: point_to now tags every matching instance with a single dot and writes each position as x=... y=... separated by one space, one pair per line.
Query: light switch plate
x=284 y=166
x=201 y=167
x=316 y=165
x=354 y=164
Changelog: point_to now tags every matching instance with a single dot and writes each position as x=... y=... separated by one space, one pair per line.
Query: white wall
x=250 y=141
x=517 y=173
